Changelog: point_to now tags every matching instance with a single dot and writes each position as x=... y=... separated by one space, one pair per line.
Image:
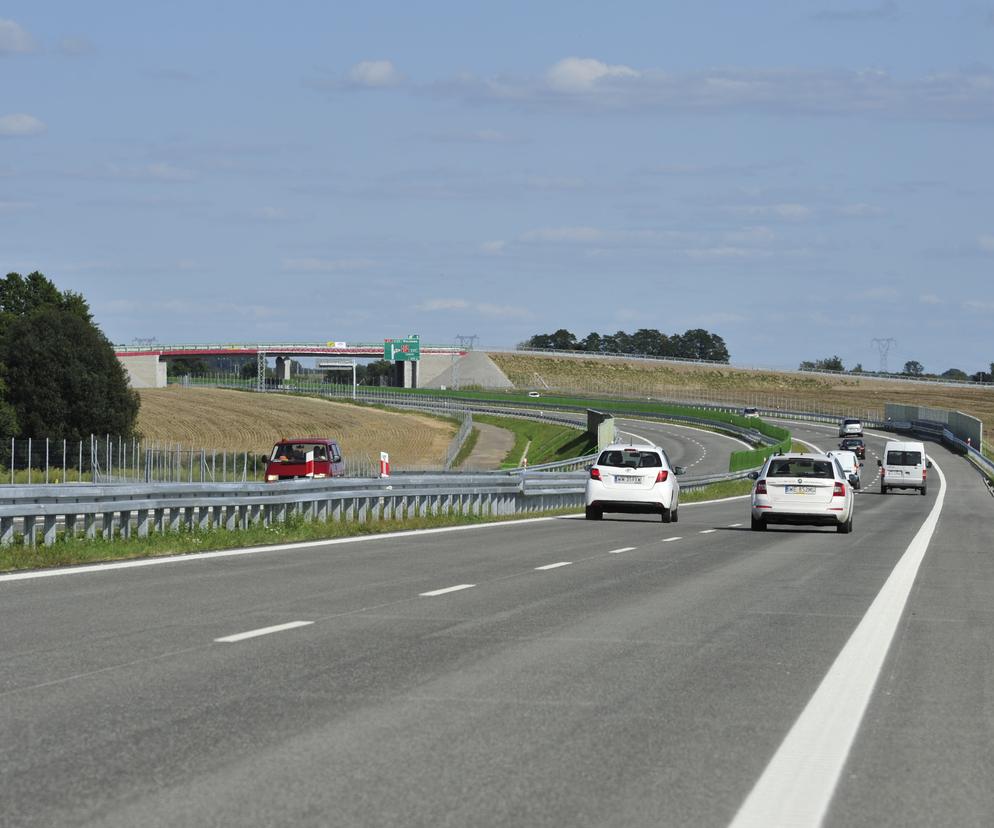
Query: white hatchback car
x=802 y=489
x=851 y=465
x=633 y=478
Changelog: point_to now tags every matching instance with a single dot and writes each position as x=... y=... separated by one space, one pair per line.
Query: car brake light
x=661 y=477
x=760 y=487
x=595 y=473
x=923 y=474
x=839 y=490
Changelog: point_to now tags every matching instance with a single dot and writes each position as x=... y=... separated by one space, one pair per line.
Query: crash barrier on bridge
x=43 y=514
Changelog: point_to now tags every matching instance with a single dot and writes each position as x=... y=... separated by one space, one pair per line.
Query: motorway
x=554 y=672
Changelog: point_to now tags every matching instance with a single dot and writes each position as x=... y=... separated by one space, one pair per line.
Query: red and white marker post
x=384 y=464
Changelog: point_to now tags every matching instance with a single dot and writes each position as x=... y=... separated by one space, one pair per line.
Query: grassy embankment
x=545 y=442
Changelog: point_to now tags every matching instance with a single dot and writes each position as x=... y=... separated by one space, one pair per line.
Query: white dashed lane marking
x=553 y=566
x=456 y=588
x=623 y=549
x=670 y=540
x=231 y=639
x=707 y=531
x=733 y=525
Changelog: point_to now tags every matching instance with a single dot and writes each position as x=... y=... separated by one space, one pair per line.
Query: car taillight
x=924 y=472
x=595 y=473
x=661 y=477
x=760 y=487
x=883 y=471
x=839 y=490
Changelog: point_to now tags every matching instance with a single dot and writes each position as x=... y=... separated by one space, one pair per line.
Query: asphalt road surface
x=556 y=672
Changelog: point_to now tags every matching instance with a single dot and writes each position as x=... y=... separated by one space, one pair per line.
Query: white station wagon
x=802 y=489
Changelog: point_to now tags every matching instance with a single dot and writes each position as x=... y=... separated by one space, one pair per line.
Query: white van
x=905 y=466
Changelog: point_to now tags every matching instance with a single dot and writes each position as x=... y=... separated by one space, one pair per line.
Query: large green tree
x=63 y=379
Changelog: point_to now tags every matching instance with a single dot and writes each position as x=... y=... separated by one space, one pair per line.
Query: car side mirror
x=679 y=470
x=852 y=480
x=928 y=465
x=879 y=463
x=336 y=458
x=753 y=475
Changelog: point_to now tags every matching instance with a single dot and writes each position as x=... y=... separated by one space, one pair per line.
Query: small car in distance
x=802 y=489
x=304 y=457
x=534 y=394
x=851 y=427
x=855 y=445
x=633 y=479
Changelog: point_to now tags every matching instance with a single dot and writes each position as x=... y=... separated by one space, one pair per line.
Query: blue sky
x=797 y=177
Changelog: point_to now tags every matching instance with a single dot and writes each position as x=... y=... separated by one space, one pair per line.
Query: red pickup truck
x=310 y=457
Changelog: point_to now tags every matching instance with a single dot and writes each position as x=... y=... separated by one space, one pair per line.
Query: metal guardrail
x=89 y=511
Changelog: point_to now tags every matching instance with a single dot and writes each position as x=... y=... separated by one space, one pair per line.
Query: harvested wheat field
x=248 y=421
x=846 y=394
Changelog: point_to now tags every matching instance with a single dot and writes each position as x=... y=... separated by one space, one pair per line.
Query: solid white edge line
x=798 y=784
x=443 y=591
x=554 y=566
x=254 y=550
x=231 y=639
x=623 y=549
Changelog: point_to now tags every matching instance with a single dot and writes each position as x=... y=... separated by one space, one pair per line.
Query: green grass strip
x=549 y=441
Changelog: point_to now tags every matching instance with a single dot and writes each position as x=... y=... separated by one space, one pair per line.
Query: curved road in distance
x=554 y=673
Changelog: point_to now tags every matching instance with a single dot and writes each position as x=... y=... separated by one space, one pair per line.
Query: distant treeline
x=696 y=343
x=912 y=368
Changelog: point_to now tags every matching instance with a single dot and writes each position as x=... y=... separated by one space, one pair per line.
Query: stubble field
x=244 y=421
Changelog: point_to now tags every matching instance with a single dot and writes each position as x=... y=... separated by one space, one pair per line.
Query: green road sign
x=402 y=350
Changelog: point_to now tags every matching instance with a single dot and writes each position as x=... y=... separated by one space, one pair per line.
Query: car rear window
x=630 y=458
x=904 y=458
x=800 y=467
x=297 y=452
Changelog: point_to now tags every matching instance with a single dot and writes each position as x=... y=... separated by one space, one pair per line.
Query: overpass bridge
x=146 y=364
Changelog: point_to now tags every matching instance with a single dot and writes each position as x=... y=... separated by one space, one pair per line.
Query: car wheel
x=758 y=525
x=666 y=516
x=675 y=515
x=924 y=489
x=845 y=528
x=883 y=490
x=593 y=514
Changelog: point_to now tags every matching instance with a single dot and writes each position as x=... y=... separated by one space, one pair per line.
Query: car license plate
x=805 y=490
x=630 y=479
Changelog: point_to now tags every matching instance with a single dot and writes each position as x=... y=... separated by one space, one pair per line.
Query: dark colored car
x=855 y=445
x=308 y=457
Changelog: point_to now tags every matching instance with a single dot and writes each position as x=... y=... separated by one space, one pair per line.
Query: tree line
x=695 y=343
x=59 y=375
x=912 y=368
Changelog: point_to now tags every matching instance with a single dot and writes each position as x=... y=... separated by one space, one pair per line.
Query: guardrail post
x=321 y=515
x=362 y=506
x=255 y=514
x=89 y=526
x=230 y=517
x=6 y=531
x=125 y=522
x=107 y=526
x=70 y=523
x=48 y=536
x=388 y=507
x=143 y=523
x=29 y=530
x=158 y=521
x=423 y=505
x=203 y=517
x=173 y=524
x=307 y=511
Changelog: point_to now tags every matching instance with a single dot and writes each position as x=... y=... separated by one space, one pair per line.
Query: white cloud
x=978 y=306
x=14 y=206
x=929 y=299
x=167 y=172
x=787 y=212
x=493 y=248
x=564 y=234
x=14 y=40
x=314 y=265
x=480 y=308
x=19 y=124
x=269 y=213
x=374 y=74
x=573 y=75
x=986 y=242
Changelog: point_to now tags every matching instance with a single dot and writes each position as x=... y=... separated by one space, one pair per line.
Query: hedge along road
x=549 y=672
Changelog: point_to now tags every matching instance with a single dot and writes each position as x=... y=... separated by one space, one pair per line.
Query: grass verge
x=716 y=491
x=549 y=442
x=74 y=551
x=467 y=448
